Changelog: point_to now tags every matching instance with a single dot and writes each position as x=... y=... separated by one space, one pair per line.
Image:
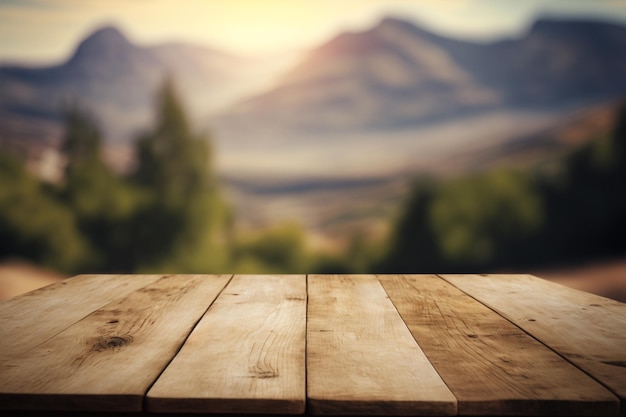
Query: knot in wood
x=111 y=342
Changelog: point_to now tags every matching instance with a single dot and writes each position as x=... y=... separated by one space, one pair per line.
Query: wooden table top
x=320 y=344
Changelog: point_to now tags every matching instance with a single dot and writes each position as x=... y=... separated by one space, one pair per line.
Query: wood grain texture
x=34 y=317
x=361 y=358
x=491 y=366
x=247 y=354
x=587 y=329
x=108 y=360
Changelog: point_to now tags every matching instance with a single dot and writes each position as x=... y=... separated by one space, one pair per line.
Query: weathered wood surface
x=245 y=355
x=33 y=318
x=361 y=358
x=587 y=329
x=109 y=359
x=420 y=345
x=491 y=366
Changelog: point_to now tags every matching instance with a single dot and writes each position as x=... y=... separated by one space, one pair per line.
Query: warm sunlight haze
x=252 y=26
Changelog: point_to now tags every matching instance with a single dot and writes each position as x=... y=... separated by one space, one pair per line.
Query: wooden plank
x=491 y=366
x=587 y=329
x=108 y=360
x=32 y=318
x=246 y=355
x=361 y=358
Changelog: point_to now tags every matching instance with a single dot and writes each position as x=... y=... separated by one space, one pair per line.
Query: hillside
x=397 y=74
x=117 y=80
x=332 y=208
x=546 y=145
x=393 y=99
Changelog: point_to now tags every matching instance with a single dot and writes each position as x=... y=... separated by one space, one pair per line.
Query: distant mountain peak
x=105 y=39
x=393 y=24
x=107 y=44
x=396 y=22
x=371 y=40
x=108 y=34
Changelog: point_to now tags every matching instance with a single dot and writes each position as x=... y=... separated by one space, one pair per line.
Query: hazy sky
x=48 y=30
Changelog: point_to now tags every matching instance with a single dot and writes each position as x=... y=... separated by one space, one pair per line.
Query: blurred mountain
x=394 y=75
x=385 y=77
x=398 y=74
x=557 y=61
x=116 y=80
x=106 y=73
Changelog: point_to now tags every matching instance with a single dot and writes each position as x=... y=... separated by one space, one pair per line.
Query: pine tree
x=183 y=216
x=172 y=160
x=101 y=202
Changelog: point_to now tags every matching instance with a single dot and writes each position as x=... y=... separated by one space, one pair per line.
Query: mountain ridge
x=116 y=80
x=394 y=74
x=343 y=83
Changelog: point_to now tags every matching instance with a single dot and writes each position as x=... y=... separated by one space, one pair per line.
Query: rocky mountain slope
x=117 y=81
x=398 y=74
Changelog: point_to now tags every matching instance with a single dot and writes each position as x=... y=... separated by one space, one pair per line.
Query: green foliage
x=34 y=225
x=200 y=242
x=331 y=263
x=510 y=219
x=477 y=218
x=82 y=143
x=90 y=186
x=101 y=202
x=413 y=245
x=172 y=160
x=585 y=210
x=169 y=216
x=182 y=224
x=279 y=249
x=362 y=253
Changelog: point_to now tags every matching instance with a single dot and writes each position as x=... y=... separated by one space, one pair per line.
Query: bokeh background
x=284 y=136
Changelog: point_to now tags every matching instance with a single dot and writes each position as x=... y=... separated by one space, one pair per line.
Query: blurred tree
x=413 y=245
x=173 y=161
x=331 y=263
x=479 y=221
x=82 y=143
x=182 y=223
x=279 y=249
x=101 y=201
x=507 y=219
x=585 y=206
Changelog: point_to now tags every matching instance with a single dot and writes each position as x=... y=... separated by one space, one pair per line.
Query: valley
x=333 y=136
x=337 y=187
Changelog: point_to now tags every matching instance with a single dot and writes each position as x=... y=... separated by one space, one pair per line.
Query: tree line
x=169 y=216
x=507 y=219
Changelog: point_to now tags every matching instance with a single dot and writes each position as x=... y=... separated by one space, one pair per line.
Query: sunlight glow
x=260 y=26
